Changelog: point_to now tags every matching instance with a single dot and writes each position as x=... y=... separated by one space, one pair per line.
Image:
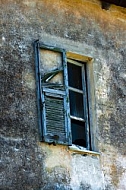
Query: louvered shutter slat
x=55 y=119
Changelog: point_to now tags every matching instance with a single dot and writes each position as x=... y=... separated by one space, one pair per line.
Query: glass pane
x=78 y=133
x=76 y=104
x=74 y=76
x=51 y=66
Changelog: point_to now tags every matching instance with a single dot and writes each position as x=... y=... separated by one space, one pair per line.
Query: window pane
x=74 y=76
x=76 y=104
x=78 y=133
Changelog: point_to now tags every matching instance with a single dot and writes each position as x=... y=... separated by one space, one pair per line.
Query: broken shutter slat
x=54 y=90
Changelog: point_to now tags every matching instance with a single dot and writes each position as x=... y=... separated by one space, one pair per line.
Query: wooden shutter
x=54 y=98
x=54 y=116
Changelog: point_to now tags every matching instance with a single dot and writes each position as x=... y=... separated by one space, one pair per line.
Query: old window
x=62 y=97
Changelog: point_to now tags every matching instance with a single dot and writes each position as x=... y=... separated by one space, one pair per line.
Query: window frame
x=84 y=92
x=37 y=46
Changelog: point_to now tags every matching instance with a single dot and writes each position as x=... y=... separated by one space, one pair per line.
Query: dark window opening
x=78 y=133
x=74 y=76
x=78 y=102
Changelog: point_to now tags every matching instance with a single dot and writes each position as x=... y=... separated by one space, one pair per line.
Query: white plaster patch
x=3 y=38
x=122 y=183
x=102 y=86
x=122 y=74
x=86 y=170
x=30 y=3
x=121 y=160
x=12 y=139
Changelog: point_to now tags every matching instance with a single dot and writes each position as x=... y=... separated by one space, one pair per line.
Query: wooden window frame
x=85 y=99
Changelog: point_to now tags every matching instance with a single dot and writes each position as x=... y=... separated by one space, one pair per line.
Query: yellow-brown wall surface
x=79 y=26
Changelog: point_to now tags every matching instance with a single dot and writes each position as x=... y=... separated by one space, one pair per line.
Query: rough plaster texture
x=80 y=26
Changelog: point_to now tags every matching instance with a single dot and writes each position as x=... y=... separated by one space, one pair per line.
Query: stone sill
x=81 y=150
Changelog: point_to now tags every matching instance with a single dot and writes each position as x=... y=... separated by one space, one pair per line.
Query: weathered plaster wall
x=83 y=27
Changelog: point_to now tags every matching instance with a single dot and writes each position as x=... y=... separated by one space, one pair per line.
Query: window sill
x=81 y=150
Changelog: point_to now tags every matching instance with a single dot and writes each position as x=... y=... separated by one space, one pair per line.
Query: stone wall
x=79 y=26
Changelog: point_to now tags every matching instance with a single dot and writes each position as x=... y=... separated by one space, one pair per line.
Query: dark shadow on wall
x=118 y=96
